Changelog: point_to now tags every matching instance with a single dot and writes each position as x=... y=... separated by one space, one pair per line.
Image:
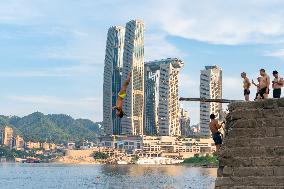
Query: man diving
x=121 y=97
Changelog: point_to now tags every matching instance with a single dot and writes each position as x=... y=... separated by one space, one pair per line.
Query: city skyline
x=53 y=59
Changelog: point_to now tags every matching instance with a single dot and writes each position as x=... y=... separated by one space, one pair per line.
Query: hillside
x=57 y=128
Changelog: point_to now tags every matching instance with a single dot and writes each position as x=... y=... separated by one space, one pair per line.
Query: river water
x=42 y=176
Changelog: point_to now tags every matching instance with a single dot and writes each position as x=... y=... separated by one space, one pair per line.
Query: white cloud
x=17 y=12
x=223 y=22
x=277 y=53
x=157 y=47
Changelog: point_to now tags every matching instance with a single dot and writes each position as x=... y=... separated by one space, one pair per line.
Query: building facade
x=133 y=61
x=19 y=143
x=168 y=113
x=152 y=81
x=7 y=136
x=159 y=146
x=33 y=145
x=211 y=88
x=112 y=78
x=185 y=123
x=161 y=97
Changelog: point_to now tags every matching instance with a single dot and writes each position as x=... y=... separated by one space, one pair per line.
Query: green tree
x=100 y=155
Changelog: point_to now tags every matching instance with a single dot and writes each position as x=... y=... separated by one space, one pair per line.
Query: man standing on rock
x=216 y=135
x=246 y=86
x=277 y=83
x=264 y=84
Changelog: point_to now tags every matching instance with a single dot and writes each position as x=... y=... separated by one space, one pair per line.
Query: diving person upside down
x=121 y=97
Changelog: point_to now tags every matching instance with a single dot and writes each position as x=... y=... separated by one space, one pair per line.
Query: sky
x=52 y=52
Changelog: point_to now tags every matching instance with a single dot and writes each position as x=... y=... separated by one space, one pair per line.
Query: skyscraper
x=112 y=78
x=152 y=80
x=133 y=61
x=185 y=123
x=168 y=103
x=7 y=136
x=161 y=97
x=211 y=88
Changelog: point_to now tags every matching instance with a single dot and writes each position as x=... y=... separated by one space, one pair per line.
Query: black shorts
x=217 y=138
x=246 y=92
x=262 y=92
x=276 y=93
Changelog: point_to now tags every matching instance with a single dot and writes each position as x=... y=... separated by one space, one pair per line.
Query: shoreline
x=98 y=163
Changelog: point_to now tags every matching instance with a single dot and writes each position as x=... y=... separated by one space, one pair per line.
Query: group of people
x=263 y=85
x=263 y=89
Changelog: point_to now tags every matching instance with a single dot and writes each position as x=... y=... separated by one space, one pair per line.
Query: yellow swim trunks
x=122 y=95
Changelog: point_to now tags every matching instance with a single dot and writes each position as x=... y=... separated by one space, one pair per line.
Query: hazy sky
x=52 y=52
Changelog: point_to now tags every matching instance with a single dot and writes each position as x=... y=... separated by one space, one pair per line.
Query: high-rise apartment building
x=161 y=97
x=185 y=123
x=152 y=83
x=19 y=142
x=112 y=78
x=211 y=88
x=133 y=61
x=7 y=136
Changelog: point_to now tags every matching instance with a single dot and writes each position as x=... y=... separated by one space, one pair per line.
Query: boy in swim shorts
x=216 y=135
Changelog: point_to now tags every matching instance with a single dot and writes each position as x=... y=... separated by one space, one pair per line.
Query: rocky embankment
x=252 y=155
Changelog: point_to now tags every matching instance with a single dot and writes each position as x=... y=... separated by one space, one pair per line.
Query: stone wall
x=252 y=155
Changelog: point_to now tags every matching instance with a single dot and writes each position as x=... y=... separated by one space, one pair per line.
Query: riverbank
x=70 y=160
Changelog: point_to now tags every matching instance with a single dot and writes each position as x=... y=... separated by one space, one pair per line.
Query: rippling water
x=41 y=176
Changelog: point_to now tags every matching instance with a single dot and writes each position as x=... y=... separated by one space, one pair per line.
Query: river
x=62 y=176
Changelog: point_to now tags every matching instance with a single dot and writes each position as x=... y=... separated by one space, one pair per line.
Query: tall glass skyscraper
x=133 y=61
x=112 y=79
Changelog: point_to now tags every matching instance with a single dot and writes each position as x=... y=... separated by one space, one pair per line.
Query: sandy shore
x=70 y=160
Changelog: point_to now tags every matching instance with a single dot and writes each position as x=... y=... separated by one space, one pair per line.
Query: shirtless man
x=246 y=86
x=257 y=97
x=264 y=84
x=121 y=97
x=277 y=84
x=216 y=135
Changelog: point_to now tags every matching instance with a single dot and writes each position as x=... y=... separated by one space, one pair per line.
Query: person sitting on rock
x=216 y=135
